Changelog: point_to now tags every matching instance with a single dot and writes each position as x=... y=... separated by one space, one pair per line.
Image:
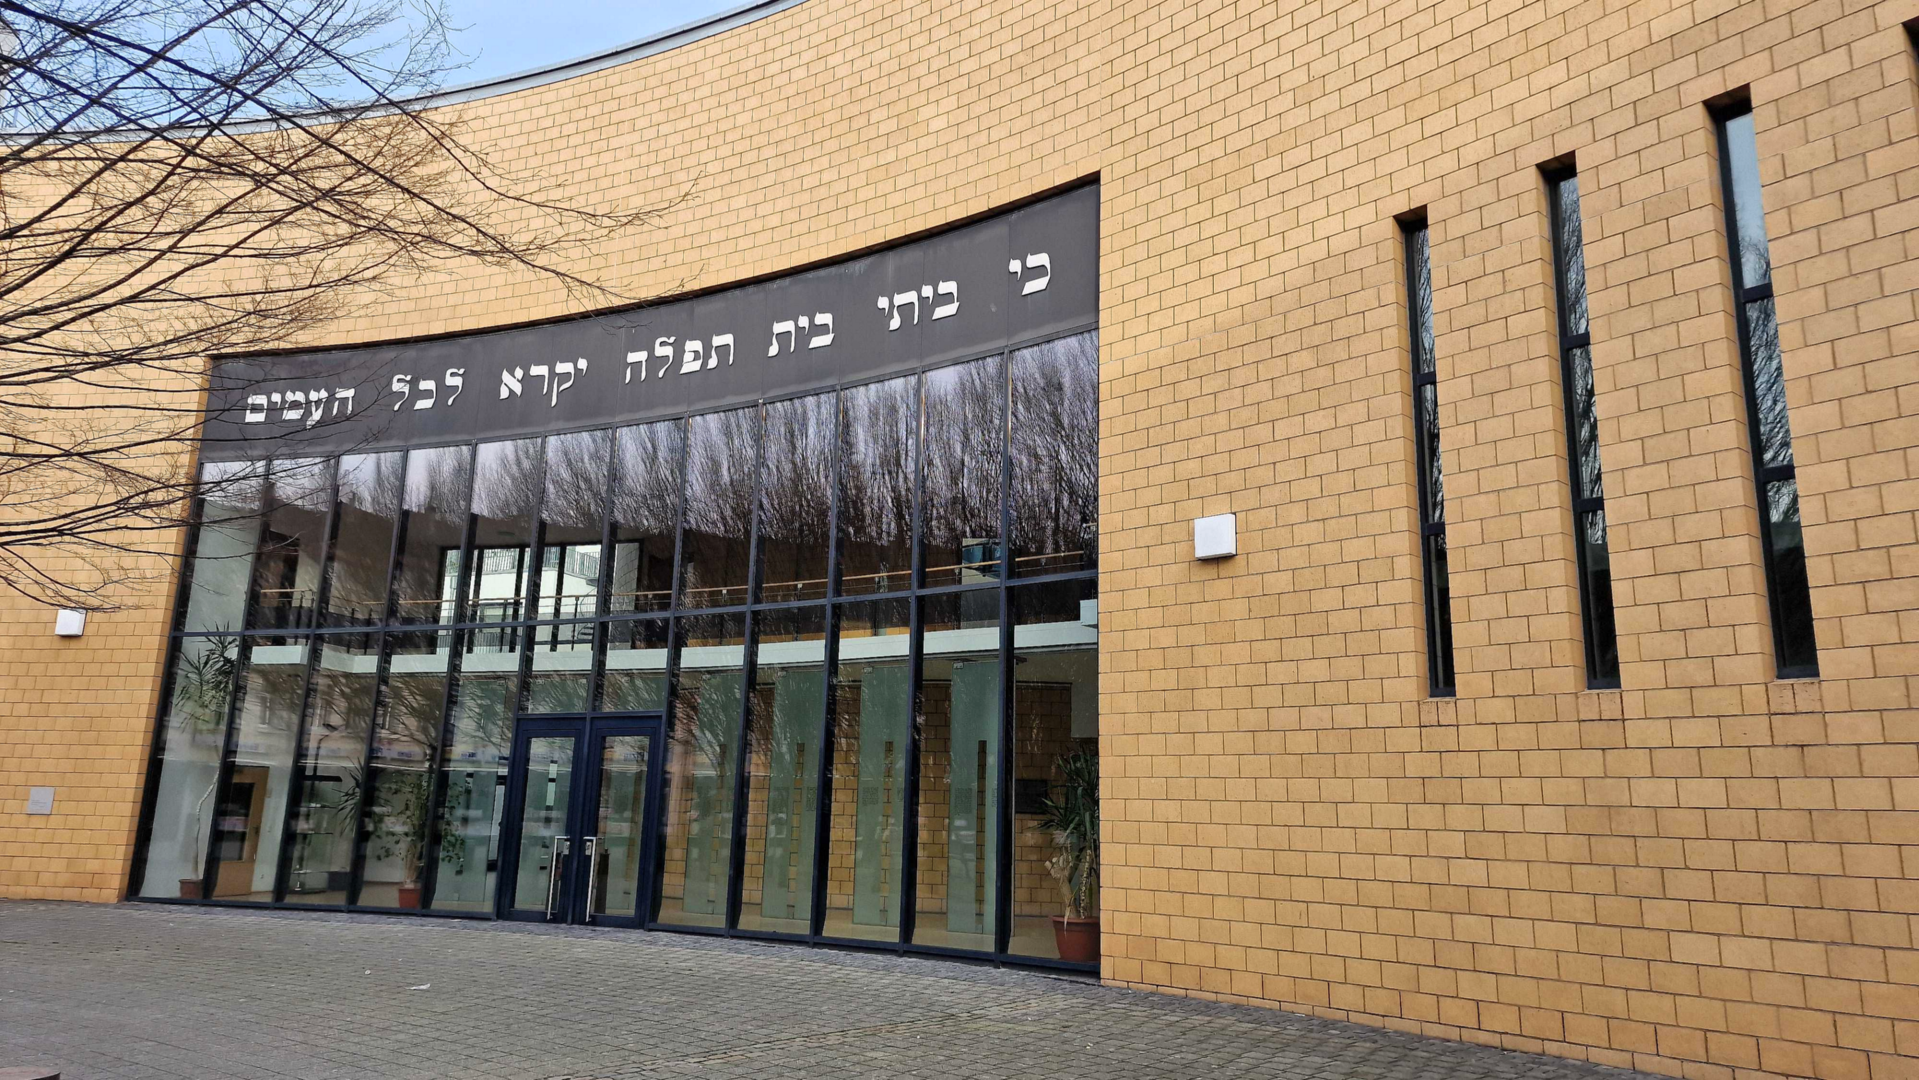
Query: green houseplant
x=1071 y=814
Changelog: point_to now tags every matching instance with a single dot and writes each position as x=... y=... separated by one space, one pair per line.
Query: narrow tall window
x=1786 y=587
x=1582 y=434
x=1432 y=492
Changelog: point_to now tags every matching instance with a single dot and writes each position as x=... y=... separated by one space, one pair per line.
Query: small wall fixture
x=1215 y=537
x=71 y=622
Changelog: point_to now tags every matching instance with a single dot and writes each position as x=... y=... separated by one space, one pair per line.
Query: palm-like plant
x=1072 y=816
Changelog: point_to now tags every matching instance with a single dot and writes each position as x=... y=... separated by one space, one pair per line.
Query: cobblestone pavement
x=139 y=992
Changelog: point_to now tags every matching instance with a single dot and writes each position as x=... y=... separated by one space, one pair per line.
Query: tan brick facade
x=1709 y=872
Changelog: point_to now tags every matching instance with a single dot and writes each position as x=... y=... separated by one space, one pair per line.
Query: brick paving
x=141 y=992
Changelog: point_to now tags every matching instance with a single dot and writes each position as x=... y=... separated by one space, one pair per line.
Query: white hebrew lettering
x=296 y=405
x=432 y=394
x=546 y=376
x=509 y=383
x=317 y=400
x=562 y=368
x=343 y=397
x=274 y=400
x=784 y=326
x=1041 y=261
x=663 y=350
x=895 y=324
x=456 y=381
x=694 y=356
x=948 y=288
x=713 y=358
x=822 y=321
x=631 y=359
x=256 y=408
x=403 y=386
x=912 y=298
x=1012 y=267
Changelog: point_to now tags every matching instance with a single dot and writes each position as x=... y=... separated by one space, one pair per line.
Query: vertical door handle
x=561 y=846
x=592 y=873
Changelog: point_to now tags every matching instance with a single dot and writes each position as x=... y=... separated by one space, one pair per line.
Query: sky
x=505 y=36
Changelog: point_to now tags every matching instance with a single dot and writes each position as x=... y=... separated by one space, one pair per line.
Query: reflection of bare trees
x=876 y=483
x=506 y=480
x=719 y=504
x=646 y=495
x=1055 y=452
x=576 y=475
x=962 y=465
x=796 y=480
x=370 y=489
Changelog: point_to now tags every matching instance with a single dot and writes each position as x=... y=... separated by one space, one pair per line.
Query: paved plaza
x=137 y=992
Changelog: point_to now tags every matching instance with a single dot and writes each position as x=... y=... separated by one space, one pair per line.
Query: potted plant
x=1072 y=816
x=202 y=689
x=403 y=798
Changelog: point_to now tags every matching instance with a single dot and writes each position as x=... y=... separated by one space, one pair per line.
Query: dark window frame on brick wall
x=1582 y=431
x=1788 y=591
x=1436 y=576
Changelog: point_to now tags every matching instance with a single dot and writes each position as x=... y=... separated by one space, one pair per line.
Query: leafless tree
x=189 y=179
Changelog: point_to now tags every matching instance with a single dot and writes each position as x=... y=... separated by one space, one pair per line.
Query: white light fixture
x=1215 y=537
x=71 y=622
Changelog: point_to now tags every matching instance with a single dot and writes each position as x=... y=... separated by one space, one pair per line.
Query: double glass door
x=581 y=805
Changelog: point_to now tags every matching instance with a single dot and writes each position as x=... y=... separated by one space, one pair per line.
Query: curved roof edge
x=665 y=40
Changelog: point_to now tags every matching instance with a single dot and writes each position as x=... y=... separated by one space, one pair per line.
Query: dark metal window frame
x=1441 y=676
x=459 y=635
x=1585 y=505
x=1779 y=605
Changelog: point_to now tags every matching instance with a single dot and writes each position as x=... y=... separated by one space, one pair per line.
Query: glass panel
x=783 y=769
x=549 y=791
x=1798 y=651
x=721 y=456
x=366 y=509
x=1420 y=289
x=475 y=763
x=1055 y=456
x=1749 y=211
x=1769 y=385
x=700 y=763
x=960 y=516
x=1439 y=614
x=1427 y=403
x=250 y=811
x=634 y=679
x=646 y=511
x=1585 y=421
x=435 y=505
x=1571 y=254
x=1055 y=761
x=876 y=485
x=1596 y=560
x=194 y=731
x=621 y=824
x=562 y=660
x=506 y=489
x=332 y=765
x=229 y=504
x=572 y=514
x=286 y=569
x=870 y=716
x=401 y=770
x=959 y=717
x=796 y=495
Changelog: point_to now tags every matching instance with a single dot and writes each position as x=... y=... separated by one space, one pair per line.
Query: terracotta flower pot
x=1078 y=939
x=409 y=896
x=190 y=888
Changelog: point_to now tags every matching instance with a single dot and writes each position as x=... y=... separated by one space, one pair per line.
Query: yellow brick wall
x=1707 y=873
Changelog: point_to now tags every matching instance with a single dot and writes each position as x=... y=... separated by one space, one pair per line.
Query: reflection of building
x=1604 y=754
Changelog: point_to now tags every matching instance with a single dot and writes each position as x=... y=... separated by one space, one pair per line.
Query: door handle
x=592 y=872
x=561 y=846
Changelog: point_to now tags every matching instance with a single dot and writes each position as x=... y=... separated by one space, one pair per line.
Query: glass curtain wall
x=876 y=664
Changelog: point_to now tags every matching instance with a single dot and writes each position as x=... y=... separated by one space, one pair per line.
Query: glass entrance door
x=580 y=804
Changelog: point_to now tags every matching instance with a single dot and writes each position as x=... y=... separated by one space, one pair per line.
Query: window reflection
x=286 y=567
x=250 y=810
x=787 y=714
x=506 y=491
x=561 y=663
x=646 y=512
x=223 y=545
x=634 y=675
x=878 y=428
x=475 y=766
x=433 y=524
x=958 y=714
x=960 y=503
x=871 y=712
x=796 y=491
x=366 y=510
x=193 y=732
x=1055 y=456
x=571 y=515
x=701 y=758
x=332 y=770
x=400 y=772
x=721 y=451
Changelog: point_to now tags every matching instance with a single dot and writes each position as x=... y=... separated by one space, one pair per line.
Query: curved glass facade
x=865 y=618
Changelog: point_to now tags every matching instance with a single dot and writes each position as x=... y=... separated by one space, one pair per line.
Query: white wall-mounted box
x=1215 y=537
x=70 y=622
